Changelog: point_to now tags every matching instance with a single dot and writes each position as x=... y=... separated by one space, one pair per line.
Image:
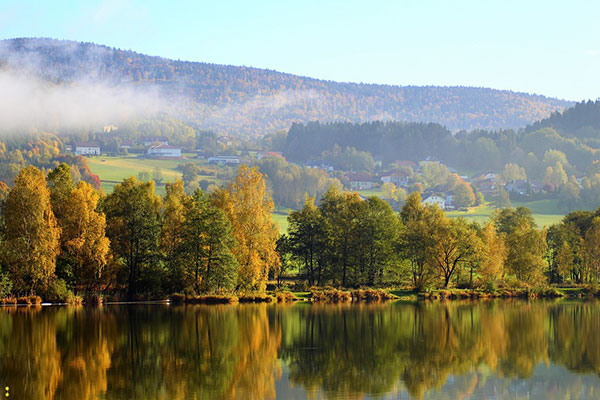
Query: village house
x=87 y=149
x=517 y=187
x=435 y=199
x=163 y=150
x=359 y=180
x=319 y=164
x=397 y=178
x=269 y=154
x=224 y=160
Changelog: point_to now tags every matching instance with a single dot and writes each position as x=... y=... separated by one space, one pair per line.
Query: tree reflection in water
x=426 y=350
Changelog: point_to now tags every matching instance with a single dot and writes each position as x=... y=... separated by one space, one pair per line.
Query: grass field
x=545 y=212
x=280 y=218
x=118 y=168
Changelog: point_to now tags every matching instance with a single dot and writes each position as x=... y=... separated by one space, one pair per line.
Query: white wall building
x=163 y=150
x=437 y=200
x=87 y=149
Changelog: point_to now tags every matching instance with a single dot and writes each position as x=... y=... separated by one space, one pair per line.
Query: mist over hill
x=51 y=81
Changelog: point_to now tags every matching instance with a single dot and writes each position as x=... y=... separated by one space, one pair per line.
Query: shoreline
x=355 y=296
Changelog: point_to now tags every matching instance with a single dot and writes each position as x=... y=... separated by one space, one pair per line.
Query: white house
x=224 y=160
x=87 y=149
x=163 y=150
x=435 y=199
x=359 y=181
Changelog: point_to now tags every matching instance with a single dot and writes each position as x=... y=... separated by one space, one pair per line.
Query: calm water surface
x=495 y=350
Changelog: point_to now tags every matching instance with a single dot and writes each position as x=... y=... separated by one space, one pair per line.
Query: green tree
x=207 y=246
x=132 y=214
x=171 y=234
x=418 y=237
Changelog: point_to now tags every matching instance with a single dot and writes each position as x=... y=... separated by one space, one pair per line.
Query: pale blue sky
x=545 y=47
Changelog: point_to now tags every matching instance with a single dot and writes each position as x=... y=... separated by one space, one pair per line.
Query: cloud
x=28 y=102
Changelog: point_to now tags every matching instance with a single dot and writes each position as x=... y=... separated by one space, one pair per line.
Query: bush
x=24 y=300
x=5 y=286
x=57 y=292
x=73 y=300
x=285 y=297
x=255 y=298
x=37 y=300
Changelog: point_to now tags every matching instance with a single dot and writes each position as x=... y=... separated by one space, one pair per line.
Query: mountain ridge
x=254 y=101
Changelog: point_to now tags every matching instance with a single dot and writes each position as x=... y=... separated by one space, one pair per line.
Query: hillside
x=254 y=101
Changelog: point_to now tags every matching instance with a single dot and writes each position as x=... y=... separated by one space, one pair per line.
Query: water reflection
x=428 y=350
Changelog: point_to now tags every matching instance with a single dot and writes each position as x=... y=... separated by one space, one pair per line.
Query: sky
x=544 y=47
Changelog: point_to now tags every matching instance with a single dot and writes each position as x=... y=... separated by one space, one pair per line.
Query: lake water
x=483 y=350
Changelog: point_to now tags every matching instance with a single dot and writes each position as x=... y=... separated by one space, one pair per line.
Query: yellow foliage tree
x=83 y=235
x=31 y=234
x=493 y=255
x=249 y=207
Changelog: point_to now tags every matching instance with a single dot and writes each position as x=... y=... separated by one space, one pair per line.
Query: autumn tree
x=132 y=225
x=30 y=232
x=84 y=237
x=249 y=208
x=493 y=254
x=455 y=243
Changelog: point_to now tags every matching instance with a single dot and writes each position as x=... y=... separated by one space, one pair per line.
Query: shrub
x=5 y=286
x=285 y=297
x=255 y=298
x=37 y=300
x=57 y=292
x=73 y=300
x=24 y=300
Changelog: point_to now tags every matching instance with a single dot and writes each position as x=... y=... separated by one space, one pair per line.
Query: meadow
x=112 y=170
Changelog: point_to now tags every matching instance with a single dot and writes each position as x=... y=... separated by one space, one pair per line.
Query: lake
x=482 y=350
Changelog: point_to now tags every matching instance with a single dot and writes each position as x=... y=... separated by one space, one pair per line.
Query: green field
x=280 y=218
x=545 y=212
x=116 y=169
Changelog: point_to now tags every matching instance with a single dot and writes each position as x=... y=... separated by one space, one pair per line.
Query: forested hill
x=256 y=101
x=581 y=121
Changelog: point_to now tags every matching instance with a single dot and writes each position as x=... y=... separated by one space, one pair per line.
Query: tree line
x=350 y=242
x=60 y=238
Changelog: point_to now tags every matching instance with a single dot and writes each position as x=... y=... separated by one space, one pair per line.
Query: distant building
x=319 y=164
x=398 y=179
x=87 y=149
x=163 y=150
x=126 y=144
x=520 y=187
x=152 y=140
x=360 y=181
x=269 y=154
x=224 y=160
x=435 y=200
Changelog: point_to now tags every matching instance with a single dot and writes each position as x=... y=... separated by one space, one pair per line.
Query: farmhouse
x=163 y=150
x=87 y=149
x=435 y=199
x=224 y=160
x=359 y=181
